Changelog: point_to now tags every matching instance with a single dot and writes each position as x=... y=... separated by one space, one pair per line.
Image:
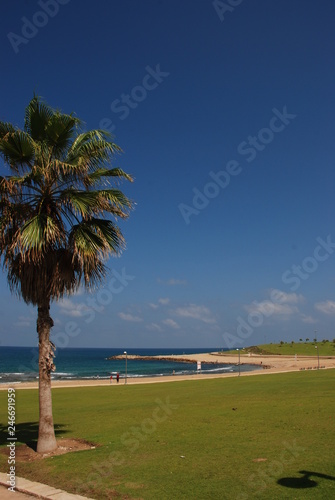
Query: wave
x=10 y=374
x=223 y=368
x=12 y=382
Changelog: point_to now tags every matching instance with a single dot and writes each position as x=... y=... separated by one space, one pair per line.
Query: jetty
x=175 y=359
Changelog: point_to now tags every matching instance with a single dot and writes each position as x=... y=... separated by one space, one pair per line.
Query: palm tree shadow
x=304 y=481
x=27 y=432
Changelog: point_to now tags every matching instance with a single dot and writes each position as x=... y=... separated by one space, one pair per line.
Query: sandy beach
x=266 y=365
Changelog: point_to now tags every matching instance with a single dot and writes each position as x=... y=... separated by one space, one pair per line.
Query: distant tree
x=281 y=342
x=57 y=213
x=315 y=340
x=307 y=340
x=300 y=340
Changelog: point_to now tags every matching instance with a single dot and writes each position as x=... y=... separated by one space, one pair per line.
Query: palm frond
x=60 y=130
x=110 y=233
x=101 y=173
x=82 y=202
x=18 y=149
x=91 y=155
x=6 y=187
x=31 y=179
x=96 y=237
x=65 y=174
x=92 y=150
x=6 y=128
x=87 y=203
x=92 y=136
x=37 y=116
x=38 y=234
x=114 y=201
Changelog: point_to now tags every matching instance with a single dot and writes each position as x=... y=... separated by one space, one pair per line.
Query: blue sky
x=225 y=112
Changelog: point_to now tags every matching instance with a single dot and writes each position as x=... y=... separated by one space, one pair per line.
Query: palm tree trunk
x=46 y=433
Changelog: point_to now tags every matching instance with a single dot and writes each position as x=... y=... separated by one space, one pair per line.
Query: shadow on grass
x=27 y=432
x=304 y=481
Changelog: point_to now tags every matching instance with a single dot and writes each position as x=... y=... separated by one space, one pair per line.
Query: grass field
x=265 y=436
x=289 y=349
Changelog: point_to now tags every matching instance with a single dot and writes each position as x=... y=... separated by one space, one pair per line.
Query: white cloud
x=130 y=317
x=172 y=282
x=268 y=308
x=153 y=306
x=285 y=298
x=171 y=322
x=154 y=327
x=70 y=308
x=201 y=313
x=307 y=319
x=280 y=304
x=164 y=302
x=327 y=307
x=23 y=321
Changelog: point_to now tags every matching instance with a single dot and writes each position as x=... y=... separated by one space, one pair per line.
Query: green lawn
x=289 y=349
x=184 y=440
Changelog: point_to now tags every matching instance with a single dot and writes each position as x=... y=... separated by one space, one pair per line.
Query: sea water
x=19 y=364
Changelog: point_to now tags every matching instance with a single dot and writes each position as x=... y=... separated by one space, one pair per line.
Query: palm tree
x=57 y=221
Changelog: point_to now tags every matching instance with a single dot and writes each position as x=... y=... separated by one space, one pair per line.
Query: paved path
x=27 y=490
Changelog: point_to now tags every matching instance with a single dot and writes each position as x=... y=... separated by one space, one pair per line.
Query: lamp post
x=125 y=381
x=317 y=350
x=239 y=362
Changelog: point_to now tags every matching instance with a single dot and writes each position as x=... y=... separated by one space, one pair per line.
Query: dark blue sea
x=20 y=364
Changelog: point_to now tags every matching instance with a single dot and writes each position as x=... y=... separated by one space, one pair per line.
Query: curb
x=40 y=490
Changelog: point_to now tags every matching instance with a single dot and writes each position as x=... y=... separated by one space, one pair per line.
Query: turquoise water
x=18 y=364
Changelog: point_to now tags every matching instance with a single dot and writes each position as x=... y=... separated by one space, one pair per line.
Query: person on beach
x=117 y=377
x=111 y=379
